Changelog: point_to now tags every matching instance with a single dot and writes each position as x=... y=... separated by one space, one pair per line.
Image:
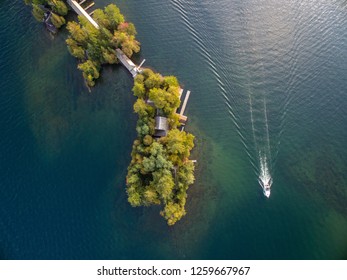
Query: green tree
x=147 y=140
x=134 y=199
x=109 y=56
x=150 y=196
x=186 y=174
x=142 y=128
x=100 y=17
x=58 y=21
x=173 y=212
x=164 y=183
x=77 y=33
x=178 y=144
x=130 y=46
x=59 y=7
x=164 y=100
x=38 y=13
x=114 y=16
x=170 y=81
x=139 y=90
x=153 y=80
x=139 y=79
x=75 y=50
x=146 y=73
x=143 y=109
x=90 y=71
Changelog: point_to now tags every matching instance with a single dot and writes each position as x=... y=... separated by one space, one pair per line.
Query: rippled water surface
x=269 y=87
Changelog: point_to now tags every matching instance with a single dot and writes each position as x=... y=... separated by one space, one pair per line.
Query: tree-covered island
x=51 y=12
x=160 y=171
x=95 y=47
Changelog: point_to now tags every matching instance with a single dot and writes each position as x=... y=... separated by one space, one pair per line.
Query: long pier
x=183 y=108
x=80 y=11
x=127 y=62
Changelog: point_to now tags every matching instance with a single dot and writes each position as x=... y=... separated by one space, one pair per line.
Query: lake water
x=269 y=87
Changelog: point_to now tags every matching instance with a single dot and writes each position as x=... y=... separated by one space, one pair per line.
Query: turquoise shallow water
x=268 y=79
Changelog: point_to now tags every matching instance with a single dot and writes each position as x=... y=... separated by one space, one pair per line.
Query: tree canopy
x=58 y=8
x=99 y=45
x=160 y=171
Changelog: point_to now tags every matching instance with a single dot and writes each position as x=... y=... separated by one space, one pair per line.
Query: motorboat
x=266 y=185
x=266 y=190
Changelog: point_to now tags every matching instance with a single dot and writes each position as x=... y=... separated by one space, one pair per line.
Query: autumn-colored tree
x=90 y=71
x=77 y=33
x=57 y=20
x=38 y=13
x=59 y=7
x=114 y=16
x=178 y=144
x=165 y=100
x=139 y=90
x=154 y=80
x=75 y=49
x=128 y=28
x=173 y=212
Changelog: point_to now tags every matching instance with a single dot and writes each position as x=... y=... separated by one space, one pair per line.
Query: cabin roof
x=161 y=126
x=161 y=123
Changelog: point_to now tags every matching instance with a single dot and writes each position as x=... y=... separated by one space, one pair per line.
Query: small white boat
x=266 y=191
x=266 y=187
x=264 y=178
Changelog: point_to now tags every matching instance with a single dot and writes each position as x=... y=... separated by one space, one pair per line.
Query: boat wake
x=261 y=138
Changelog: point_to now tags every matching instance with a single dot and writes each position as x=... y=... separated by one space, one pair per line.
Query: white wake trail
x=262 y=145
x=265 y=178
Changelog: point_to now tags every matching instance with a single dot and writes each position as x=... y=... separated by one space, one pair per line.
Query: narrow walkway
x=126 y=61
x=185 y=103
x=80 y=11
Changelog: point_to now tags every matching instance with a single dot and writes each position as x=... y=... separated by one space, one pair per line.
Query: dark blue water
x=269 y=84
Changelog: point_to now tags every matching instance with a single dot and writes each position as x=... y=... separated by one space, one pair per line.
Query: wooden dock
x=126 y=61
x=180 y=111
x=80 y=11
x=183 y=108
x=89 y=6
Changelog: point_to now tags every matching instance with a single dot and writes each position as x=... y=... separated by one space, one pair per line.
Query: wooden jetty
x=80 y=11
x=183 y=108
x=89 y=6
x=180 y=111
x=127 y=62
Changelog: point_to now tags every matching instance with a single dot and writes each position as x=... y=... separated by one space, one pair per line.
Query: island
x=51 y=12
x=95 y=45
x=160 y=171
